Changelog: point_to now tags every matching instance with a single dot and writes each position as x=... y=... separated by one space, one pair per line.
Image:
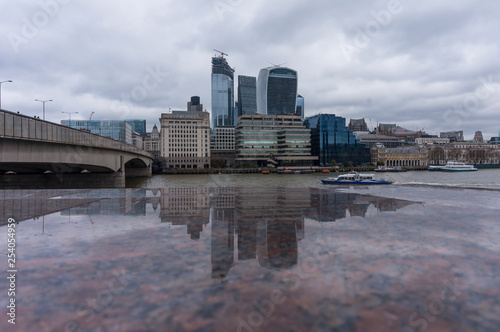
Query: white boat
x=354 y=178
x=455 y=166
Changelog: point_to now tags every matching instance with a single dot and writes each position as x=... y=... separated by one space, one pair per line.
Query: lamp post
x=69 y=113
x=9 y=81
x=43 y=102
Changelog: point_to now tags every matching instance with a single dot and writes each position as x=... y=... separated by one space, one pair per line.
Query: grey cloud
x=413 y=70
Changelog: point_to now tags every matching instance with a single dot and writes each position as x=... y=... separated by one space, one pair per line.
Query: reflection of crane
x=221 y=53
x=91 y=116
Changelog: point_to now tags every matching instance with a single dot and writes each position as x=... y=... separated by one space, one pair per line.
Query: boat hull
x=459 y=170
x=356 y=182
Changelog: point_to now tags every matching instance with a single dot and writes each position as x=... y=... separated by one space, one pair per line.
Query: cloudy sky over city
x=420 y=64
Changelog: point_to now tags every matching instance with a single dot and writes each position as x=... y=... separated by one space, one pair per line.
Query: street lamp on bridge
x=9 y=81
x=43 y=102
x=69 y=113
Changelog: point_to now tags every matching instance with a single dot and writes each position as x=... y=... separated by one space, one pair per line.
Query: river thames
x=254 y=252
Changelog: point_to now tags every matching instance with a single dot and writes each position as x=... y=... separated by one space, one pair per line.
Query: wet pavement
x=254 y=259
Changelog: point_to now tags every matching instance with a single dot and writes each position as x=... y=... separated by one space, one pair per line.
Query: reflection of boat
x=455 y=166
x=390 y=169
x=354 y=178
x=289 y=171
x=435 y=168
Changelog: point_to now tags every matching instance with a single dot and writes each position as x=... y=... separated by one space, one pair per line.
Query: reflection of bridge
x=41 y=154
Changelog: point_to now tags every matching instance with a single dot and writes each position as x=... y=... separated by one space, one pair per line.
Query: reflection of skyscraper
x=222 y=93
x=222 y=247
x=277 y=91
x=222 y=218
x=277 y=244
x=247 y=240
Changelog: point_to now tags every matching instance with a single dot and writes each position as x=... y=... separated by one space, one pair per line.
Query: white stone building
x=185 y=139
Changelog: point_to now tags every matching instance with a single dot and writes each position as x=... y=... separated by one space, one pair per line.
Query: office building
x=402 y=156
x=333 y=143
x=370 y=140
x=385 y=129
x=300 y=110
x=467 y=152
x=185 y=139
x=151 y=142
x=495 y=140
x=115 y=129
x=277 y=91
x=222 y=148
x=272 y=140
x=478 y=137
x=137 y=140
x=138 y=126
x=358 y=125
x=454 y=136
x=431 y=140
x=222 y=93
x=194 y=105
x=247 y=95
x=398 y=131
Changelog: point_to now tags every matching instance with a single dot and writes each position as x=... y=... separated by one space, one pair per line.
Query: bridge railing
x=20 y=126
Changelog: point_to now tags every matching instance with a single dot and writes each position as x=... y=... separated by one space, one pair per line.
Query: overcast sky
x=420 y=64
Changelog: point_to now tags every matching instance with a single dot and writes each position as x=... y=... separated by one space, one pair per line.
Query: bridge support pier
x=139 y=172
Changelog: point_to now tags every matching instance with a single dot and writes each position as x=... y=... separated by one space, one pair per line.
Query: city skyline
x=426 y=66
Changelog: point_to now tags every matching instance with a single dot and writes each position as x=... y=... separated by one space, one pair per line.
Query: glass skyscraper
x=247 y=95
x=300 y=106
x=139 y=126
x=115 y=129
x=277 y=91
x=222 y=93
x=331 y=140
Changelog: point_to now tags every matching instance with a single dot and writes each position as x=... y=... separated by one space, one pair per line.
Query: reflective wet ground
x=390 y=258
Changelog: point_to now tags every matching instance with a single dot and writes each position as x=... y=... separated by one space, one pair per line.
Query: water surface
x=255 y=258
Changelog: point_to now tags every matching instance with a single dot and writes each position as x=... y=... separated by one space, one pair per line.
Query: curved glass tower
x=222 y=93
x=277 y=91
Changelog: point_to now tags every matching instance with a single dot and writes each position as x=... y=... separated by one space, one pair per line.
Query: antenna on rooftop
x=221 y=53
x=281 y=64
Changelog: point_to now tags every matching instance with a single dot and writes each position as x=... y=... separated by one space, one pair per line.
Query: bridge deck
x=18 y=126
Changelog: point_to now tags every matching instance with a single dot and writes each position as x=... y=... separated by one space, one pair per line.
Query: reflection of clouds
x=262 y=224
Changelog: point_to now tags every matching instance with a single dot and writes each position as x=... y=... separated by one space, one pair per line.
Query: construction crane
x=221 y=53
x=90 y=119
